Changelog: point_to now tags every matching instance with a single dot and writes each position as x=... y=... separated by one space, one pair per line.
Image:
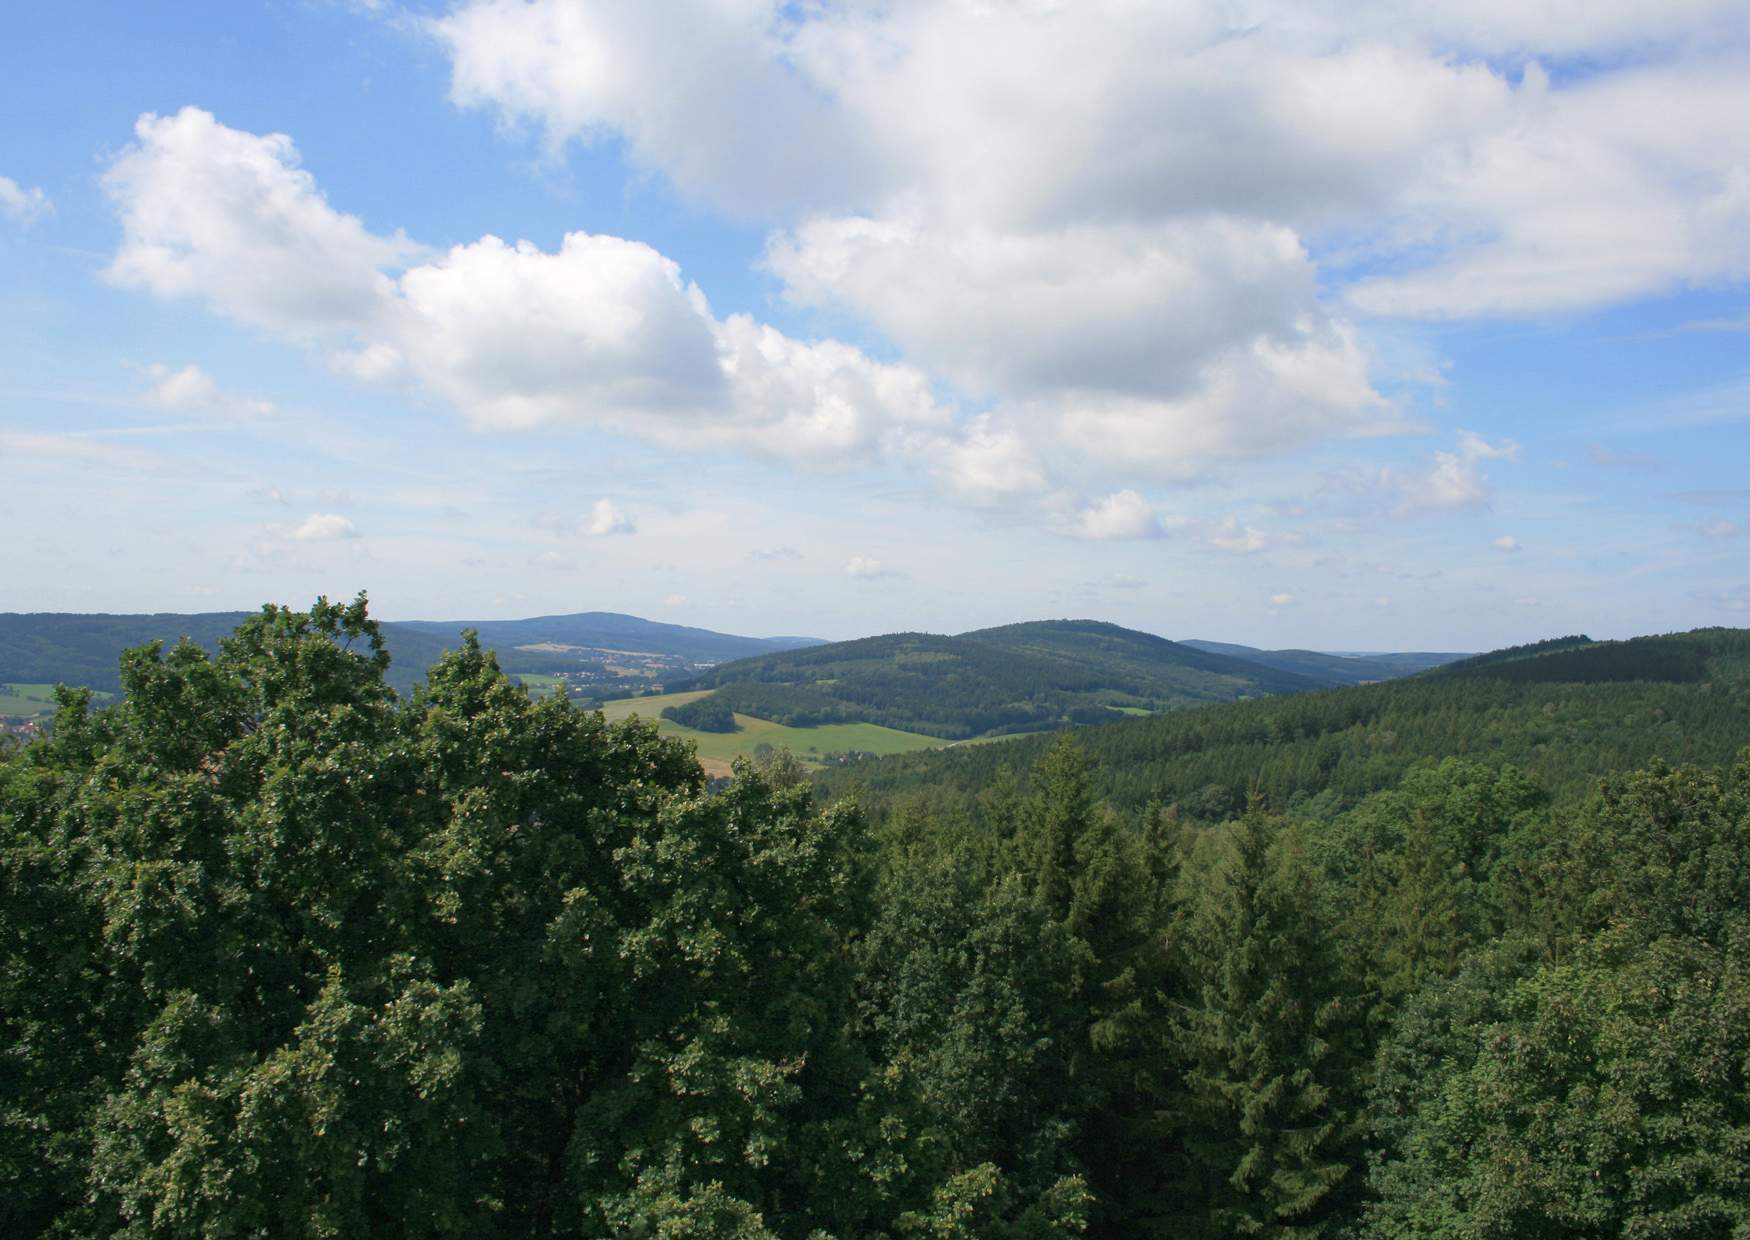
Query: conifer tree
x=1264 y=1107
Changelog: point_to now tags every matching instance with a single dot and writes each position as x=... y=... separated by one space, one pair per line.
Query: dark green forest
x=1684 y=697
x=283 y=953
x=706 y=714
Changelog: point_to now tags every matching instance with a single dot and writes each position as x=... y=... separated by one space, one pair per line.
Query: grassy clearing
x=717 y=750
x=33 y=701
x=540 y=684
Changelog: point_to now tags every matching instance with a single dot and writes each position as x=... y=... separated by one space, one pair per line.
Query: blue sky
x=1313 y=324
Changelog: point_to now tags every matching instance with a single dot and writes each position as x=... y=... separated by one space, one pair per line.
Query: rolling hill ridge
x=1565 y=711
x=1014 y=678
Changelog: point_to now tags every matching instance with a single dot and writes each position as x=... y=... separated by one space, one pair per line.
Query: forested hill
x=1017 y=678
x=1564 y=711
x=1333 y=669
x=609 y=631
x=83 y=649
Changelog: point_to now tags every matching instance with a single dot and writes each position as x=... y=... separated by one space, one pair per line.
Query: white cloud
x=868 y=568
x=1428 y=136
x=1719 y=527
x=1227 y=534
x=686 y=84
x=325 y=527
x=989 y=464
x=192 y=390
x=1123 y=514
x=1474 y=447
x=1507 y=543
x=228 y=216
x=606 y=517
x=1456 y=480
x=21 y=205
x=674 y=600
x=1278 y=601
x=603 y=331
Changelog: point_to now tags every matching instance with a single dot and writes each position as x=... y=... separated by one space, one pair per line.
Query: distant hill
x=84 y=649
x=1332 y=669
x=1017 y=678
x=610 y=632
x=1567 y=711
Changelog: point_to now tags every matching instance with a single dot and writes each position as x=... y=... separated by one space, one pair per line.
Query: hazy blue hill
x=1333 y=669
x=83 y=649
x=1016 y=678
x=78 y=648
x=609 y=631
x=1562 y=711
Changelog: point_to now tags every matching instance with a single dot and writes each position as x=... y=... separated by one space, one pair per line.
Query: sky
x=1340 y=324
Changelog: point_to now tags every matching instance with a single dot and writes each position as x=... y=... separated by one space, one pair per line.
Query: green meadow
x=31 y=701
x=540 y=684
x=717 y=750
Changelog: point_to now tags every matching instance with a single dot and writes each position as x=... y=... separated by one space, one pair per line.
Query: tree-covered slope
x=1018 y=678
x=1564 y=715
x=1333 y=669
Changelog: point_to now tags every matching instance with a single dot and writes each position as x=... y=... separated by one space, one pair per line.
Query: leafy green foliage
x=281 y=954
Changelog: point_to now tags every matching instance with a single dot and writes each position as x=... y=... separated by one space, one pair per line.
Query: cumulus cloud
x=684 y=84
x=227 y=216
x=603 y=331
x=22 y=205
x=1456 y=479
x=1123 y=514
x=606 y=517
x=325 y=527
x=1139 y=241
x=1428 y=136
x=192 y=390
x=1507 y=543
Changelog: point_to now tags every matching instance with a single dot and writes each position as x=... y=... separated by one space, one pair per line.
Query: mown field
x=717 y=750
